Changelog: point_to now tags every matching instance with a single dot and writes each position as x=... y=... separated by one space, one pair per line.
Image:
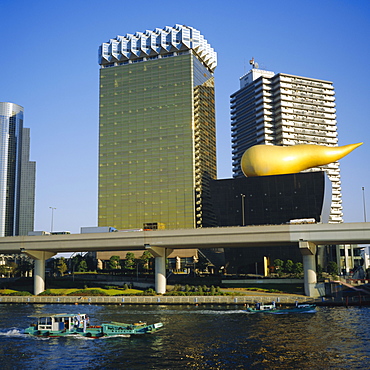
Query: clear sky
x=49 y=65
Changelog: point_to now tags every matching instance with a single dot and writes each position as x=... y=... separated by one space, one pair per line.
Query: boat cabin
x=264 y=307
x=61 y=321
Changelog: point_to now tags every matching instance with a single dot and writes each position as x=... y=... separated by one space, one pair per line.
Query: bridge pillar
x=308 y=250
x=39 y=271
x=160 y=255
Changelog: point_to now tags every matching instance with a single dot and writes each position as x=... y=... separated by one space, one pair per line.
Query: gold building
x=157 y=141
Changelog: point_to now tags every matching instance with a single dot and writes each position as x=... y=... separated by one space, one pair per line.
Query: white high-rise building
x=283 y=109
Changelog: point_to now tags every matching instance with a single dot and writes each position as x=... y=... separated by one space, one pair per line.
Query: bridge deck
x=221 y=237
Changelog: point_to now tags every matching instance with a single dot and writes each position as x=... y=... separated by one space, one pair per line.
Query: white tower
x=283 y=109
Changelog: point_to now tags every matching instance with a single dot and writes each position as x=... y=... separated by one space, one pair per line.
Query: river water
x=194 y=337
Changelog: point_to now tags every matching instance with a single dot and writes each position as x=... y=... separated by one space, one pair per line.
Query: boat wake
x=117 y=336
x=13 y=333
x=192 y=311
x=74 y=336
x=219 y=312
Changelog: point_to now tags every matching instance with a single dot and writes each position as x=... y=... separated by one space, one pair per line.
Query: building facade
x=269 y=200
x=17 y=173
x=272 y=200
x=157 y=142
x=283 y=109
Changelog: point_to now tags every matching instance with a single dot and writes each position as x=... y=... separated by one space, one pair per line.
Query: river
x=194 y=337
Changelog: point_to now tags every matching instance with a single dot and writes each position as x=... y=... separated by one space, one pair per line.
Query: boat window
x=45 y=320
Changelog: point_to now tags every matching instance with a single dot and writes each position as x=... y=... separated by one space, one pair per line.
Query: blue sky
x=48 y=65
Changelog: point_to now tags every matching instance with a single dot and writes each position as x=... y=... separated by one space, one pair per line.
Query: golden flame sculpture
x=265 y=160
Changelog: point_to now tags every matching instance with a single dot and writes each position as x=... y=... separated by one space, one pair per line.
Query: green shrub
x=48 y=292
x=176 y=293
x=21 y=293
x=109 y=287
x=88 y=292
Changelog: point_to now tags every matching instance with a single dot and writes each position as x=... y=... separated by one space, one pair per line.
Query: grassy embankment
x=79 y=292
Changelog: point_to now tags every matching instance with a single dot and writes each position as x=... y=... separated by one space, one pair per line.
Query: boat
x=64 y=324
x=271 y=308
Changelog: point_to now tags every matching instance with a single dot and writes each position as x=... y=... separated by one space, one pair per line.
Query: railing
x=142 y=300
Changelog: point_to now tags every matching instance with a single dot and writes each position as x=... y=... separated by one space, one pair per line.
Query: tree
x=24 y=267
x=278 y=263
x=144 y=260
x=91 y=263
x=82 y=266
x=4 y=271
x=288 y=267
x=114 y=263
x=298 y=268
x=332 y=268
x=62 y=266
x=130 y=261
x=74 y=262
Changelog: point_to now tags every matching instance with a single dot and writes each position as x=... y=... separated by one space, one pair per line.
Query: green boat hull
x=302 y=308
x=63 y=325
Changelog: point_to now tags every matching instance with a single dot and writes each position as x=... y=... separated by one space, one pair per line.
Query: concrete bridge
x=160 y=243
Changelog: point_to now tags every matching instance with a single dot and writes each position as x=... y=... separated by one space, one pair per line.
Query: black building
x=268 y=200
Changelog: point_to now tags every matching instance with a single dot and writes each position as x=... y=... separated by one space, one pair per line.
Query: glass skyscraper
x=157 y=141
x=17 y=173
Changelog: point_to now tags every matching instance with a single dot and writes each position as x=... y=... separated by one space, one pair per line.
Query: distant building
x=283 y=109
x=17 y=173
x=157 y=140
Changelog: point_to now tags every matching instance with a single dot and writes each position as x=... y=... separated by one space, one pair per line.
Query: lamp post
x=243 y=205
x=363 y=200
x=52 y=218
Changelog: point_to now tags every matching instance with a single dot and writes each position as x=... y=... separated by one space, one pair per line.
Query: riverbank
x=242 y=300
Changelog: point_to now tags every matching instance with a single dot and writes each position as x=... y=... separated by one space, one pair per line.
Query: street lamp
x=52 y=218
x=243 y=205
x=363 y=200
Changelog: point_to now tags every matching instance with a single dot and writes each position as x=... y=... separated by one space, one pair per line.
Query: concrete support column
x=39 y=271
x=346 y=259
x=39 y=277
x=308 y=250
x=160 y=255
x=160 y=274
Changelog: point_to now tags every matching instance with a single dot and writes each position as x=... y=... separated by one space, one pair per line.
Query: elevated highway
x=161 y=242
